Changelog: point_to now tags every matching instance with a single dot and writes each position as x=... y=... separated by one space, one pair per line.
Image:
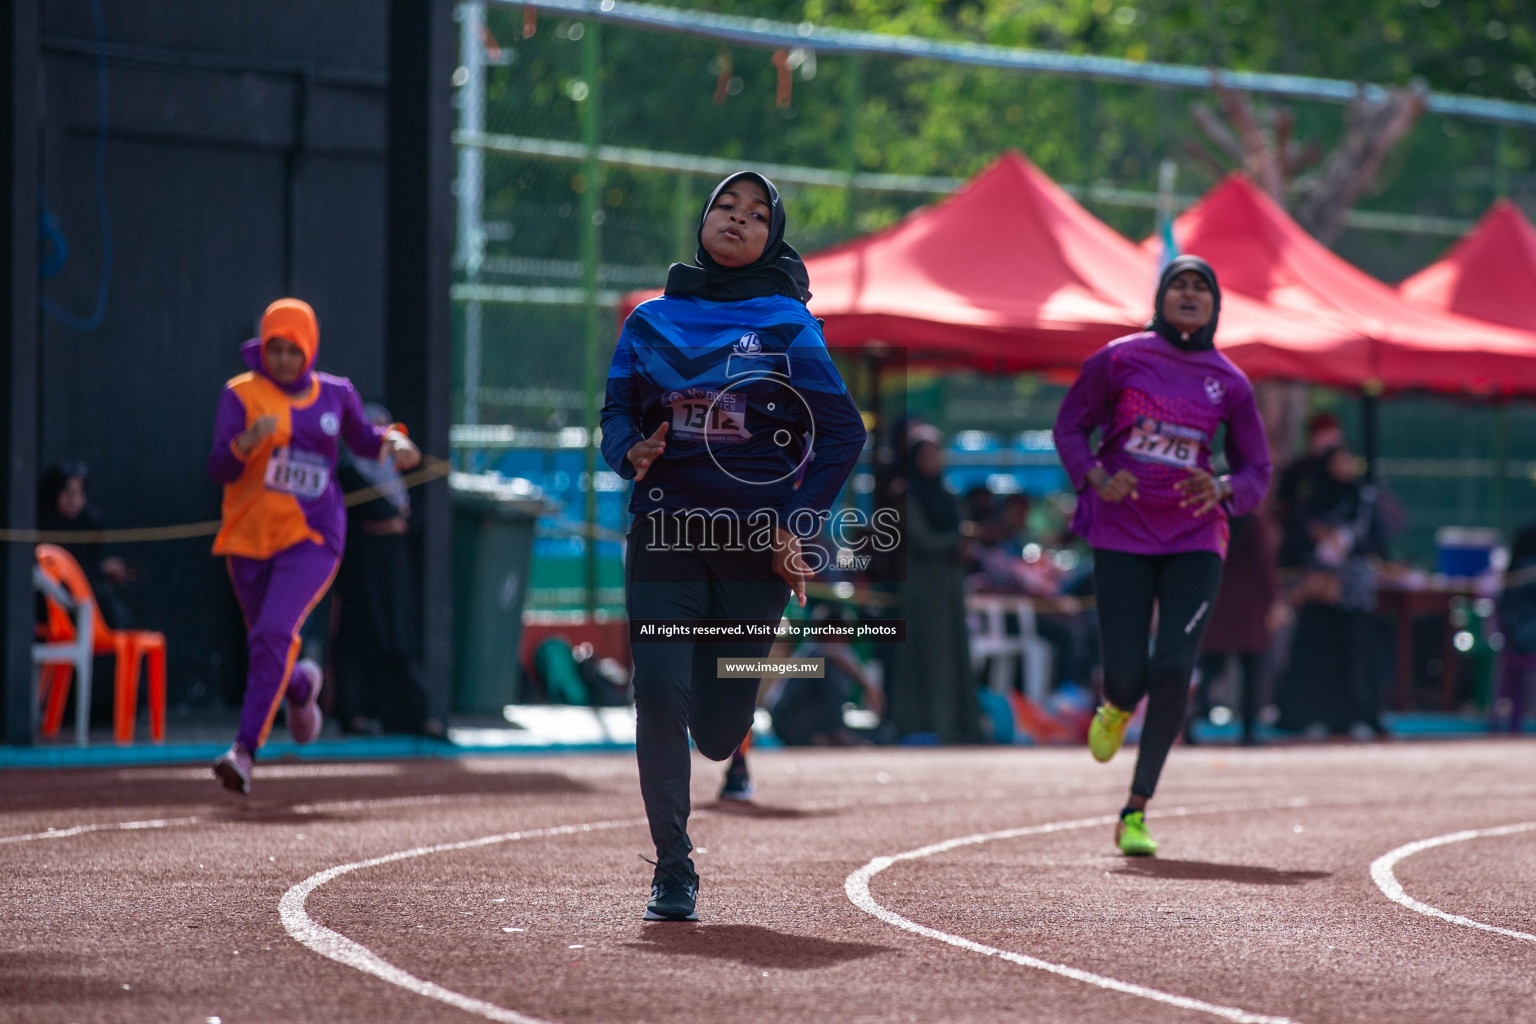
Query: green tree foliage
x=924 y=117
x=921 y=117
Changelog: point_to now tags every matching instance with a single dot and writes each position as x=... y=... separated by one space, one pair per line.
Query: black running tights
x=1126 y=586
x=677 y=689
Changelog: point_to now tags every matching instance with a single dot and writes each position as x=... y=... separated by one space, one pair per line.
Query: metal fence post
x=1500 y=170
x=591 y=222
x=851 y=97
x=471 y=200
x=684 y=237
x=1501 y=468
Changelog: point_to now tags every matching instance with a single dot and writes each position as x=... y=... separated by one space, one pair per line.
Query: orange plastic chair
x=128 y=646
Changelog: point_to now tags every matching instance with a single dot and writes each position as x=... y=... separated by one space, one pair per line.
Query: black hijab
x=778 y=271
x=940 y=510
x=48 y=491
x=1328 y=498
x=89 y=555
x=1203 y=337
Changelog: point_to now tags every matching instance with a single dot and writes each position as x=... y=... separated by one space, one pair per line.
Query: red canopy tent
x=1260 y=252
x=1490 y=274
x=1010 y=274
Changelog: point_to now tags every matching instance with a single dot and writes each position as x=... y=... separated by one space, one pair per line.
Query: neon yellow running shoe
x=1107 y=731
x=1132 y=837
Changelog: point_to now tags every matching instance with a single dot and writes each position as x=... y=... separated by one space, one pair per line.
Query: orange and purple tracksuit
x=284 y=520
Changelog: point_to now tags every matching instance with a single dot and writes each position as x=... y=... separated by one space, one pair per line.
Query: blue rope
x=49 y=226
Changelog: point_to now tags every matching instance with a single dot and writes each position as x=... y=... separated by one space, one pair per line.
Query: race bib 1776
x=699 y=415
x=1167 y=443
x=300 y=473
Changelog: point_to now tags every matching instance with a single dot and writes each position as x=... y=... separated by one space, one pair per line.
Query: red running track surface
x=1261 y=906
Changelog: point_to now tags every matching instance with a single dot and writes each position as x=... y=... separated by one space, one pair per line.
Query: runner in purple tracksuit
x=1154 y=512
x=275 y=442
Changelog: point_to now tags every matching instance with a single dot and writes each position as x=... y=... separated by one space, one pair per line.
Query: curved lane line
x=120 y=826
x=338 y=947
x=857 y=888
x=1386 y=880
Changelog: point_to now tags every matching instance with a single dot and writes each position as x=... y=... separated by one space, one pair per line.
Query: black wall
x=18 y=366
x=246 y=157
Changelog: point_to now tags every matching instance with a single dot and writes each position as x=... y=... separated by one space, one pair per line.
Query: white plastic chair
x=990 y=639
x=77 y=652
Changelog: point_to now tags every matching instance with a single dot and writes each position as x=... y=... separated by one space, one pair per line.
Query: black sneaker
x=674 y=892
x=738 y=784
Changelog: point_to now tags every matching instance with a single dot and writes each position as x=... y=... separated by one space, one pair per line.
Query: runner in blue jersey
x=726 y=411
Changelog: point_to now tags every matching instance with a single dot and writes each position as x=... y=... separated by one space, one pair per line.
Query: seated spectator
x=1015 y=564
x=809 y=712
x=979 y=509
x=1014 y=524
x=1000 y=563
x=64 y=505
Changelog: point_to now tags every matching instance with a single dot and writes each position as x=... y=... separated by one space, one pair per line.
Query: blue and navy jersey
x=759 y=416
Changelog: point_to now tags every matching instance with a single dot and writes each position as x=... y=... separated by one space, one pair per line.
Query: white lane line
x=153 y=823
x=1386 y=880
x=119 y=826
x=857 y=888
x=198 y=819
x=334 y=806
x=267 y=771
x=338 y=947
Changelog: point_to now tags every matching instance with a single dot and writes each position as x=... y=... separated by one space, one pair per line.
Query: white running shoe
x=304 y=718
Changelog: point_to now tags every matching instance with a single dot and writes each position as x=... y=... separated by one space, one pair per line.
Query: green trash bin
x=493 y=525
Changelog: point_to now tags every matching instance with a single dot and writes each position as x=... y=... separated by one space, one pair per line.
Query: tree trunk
x=1372 y=127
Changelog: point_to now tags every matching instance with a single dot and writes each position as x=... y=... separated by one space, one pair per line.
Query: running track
x=1392 y=883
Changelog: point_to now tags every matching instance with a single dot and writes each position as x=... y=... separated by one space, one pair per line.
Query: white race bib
x=300 y=473
x=1166 y=443
x=720 y=419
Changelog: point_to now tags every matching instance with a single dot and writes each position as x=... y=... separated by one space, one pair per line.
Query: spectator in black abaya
x=377 y=656
x=1324 y=434
x=1332 y=677
x=931 y=692
x=1246 y=613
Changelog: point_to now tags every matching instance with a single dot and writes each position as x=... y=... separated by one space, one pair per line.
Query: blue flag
x=1170 y=245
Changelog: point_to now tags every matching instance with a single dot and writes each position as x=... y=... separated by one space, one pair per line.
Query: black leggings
x=1126 y=586
x=677 y=689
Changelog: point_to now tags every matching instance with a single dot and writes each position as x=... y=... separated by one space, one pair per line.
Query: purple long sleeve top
x=285 y=491
x=1158 y=407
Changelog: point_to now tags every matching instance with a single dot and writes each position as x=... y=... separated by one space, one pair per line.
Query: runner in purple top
x=276 y=436
x=1154 y=512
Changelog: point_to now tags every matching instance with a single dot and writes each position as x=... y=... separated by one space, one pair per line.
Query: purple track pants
x=276 y=594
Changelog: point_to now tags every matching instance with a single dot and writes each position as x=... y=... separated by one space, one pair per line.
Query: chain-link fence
x=586 y=148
